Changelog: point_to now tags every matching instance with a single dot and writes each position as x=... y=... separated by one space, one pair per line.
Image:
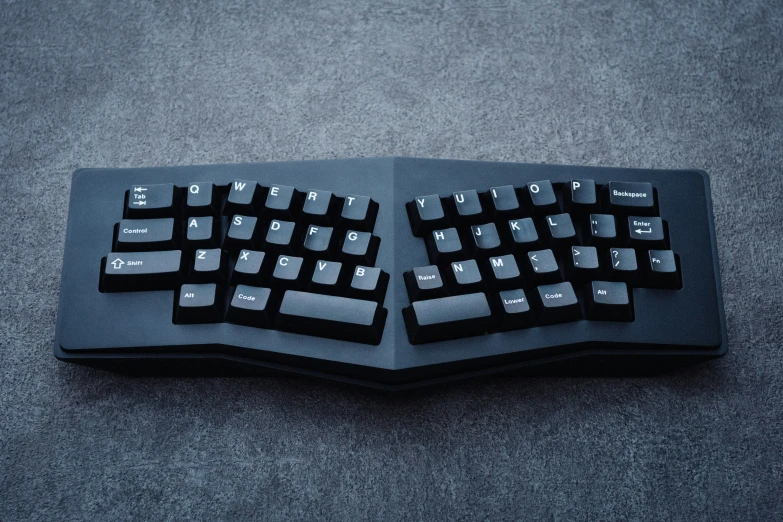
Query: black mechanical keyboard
x=390 y=272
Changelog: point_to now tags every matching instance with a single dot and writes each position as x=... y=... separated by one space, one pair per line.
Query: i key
x=425 y=214
x=151 y=201
x=503 y=202
x=359 y=213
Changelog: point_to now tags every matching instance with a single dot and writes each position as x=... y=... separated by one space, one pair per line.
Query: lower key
x=448 y=318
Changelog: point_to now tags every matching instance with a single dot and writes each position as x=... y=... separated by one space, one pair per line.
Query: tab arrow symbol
x=117 y=263
x=139 y=203
x=139 y=189
x=640 y=231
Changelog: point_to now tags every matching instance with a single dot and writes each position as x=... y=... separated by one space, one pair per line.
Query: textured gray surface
x=101 y=84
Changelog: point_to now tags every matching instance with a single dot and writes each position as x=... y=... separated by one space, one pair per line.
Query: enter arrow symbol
x=640 y=231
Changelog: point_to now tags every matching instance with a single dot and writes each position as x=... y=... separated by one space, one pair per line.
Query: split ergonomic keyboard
x=390 y=272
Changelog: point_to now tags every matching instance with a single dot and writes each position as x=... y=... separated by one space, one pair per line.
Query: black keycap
x=502 y=202
x=448 y=318
x=542 y=267
x=279 y=237
x=360 y=247
x=145 y=234
x=444 y=246
x=625 y=197
x=287 y=273
x=580 y=196
x=505 y=272
x=602 y=230
x=201 y=232
x=465 y=277
x=523 y=234
x=330 y=316
x=486 y=240
x=466 y=207
x=282 y=202
x=248 y=268
x=424 y=282
x=320 y=208
x=539 y=197
x=514 y=310
x=608 y=301
x=198 y=304
x=241 y=233
x=582 y=265
x=326 y=277
x=369 y=283
x=201 y=200
x=209 y=266
x=151 y=201
x=359 y=213
x=662 y=270
x=244 y=197
x=622 y=264
x=131 y=271
x=251 y=306
x=426 y=214
x=557 y=303
x=646 y=232
x=561 y=231
x=317 y=241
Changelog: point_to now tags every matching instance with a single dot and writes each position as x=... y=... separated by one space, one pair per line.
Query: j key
x=326 y=277
x=646 y=232
x=622 y=264
x=514 y=310
x=426 y=214
x=662 y=271
x=201 y=200
x=287 y=274
x=558 y=304
x=602 y=230
x=582 y=264
x=145 y=234
x=360 y=247
x=444 y=246
x=244 y=197
x=424 y=282
x=561 y=231
x=608 y=301
x=467 y=207
x=523 y=234
x=539 y=197
x=502 y=202
x=248 y=268
x=198 y=304
x=240 y=233
x=331 y=316
x=151 y=201
x=541 y=267
x=209 y=265
x=369 y=283
x=251 y=306
x=320 y=207
x=624 y=197
x=466 y=277
x=504 y=272
x=201 y=232
x=580 y=196
x=359 y=213
x=486 y=240
x=131 y=271
x=317 y=241
x=279 y=237
x=448 y=318
x=282 y=202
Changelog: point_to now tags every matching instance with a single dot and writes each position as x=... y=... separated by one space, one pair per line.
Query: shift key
x=132 y=271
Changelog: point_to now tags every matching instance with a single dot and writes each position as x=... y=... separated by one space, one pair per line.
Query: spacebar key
x=448 y=318
x=331 y=316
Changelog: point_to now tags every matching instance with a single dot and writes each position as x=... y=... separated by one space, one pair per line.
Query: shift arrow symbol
x=117 y=263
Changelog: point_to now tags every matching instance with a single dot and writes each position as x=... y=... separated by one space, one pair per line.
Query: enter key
x=646 y=232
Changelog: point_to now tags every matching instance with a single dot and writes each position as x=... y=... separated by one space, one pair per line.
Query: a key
x=465 y=277
x=145 y=234
x=444 y=246
x=602 y=230
x=201 y=200
x=523 y=234
x=360 y=247
x=287 y=273
x=561 y=231
x=514 y=310
x=625 y=197
x=209 y=265
x=539 y=197
x=152 y=201
x=132 y=271
x=608 y=301
x=282 y=202
x=241 y=233
x=467 y=209
x=359 y=213
x=646 y=232
x=251 y=306
x=557 y=303
x=426 y=214
x=662 y=270
x=326 y=277
x=198 y=304
x=279 y=237
x=331 y=316
x=317 y=241
x=244 y=198
x=505 y=272
x=369 y=283
x=424 y=282
x=448 y=318
x=248 y=268
x=320 y=207
x=582 y=264
x=542 y=267
x=622 y=264
x=580 y=196
x=486 y=240
x=201 y=232
x=502 y=202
